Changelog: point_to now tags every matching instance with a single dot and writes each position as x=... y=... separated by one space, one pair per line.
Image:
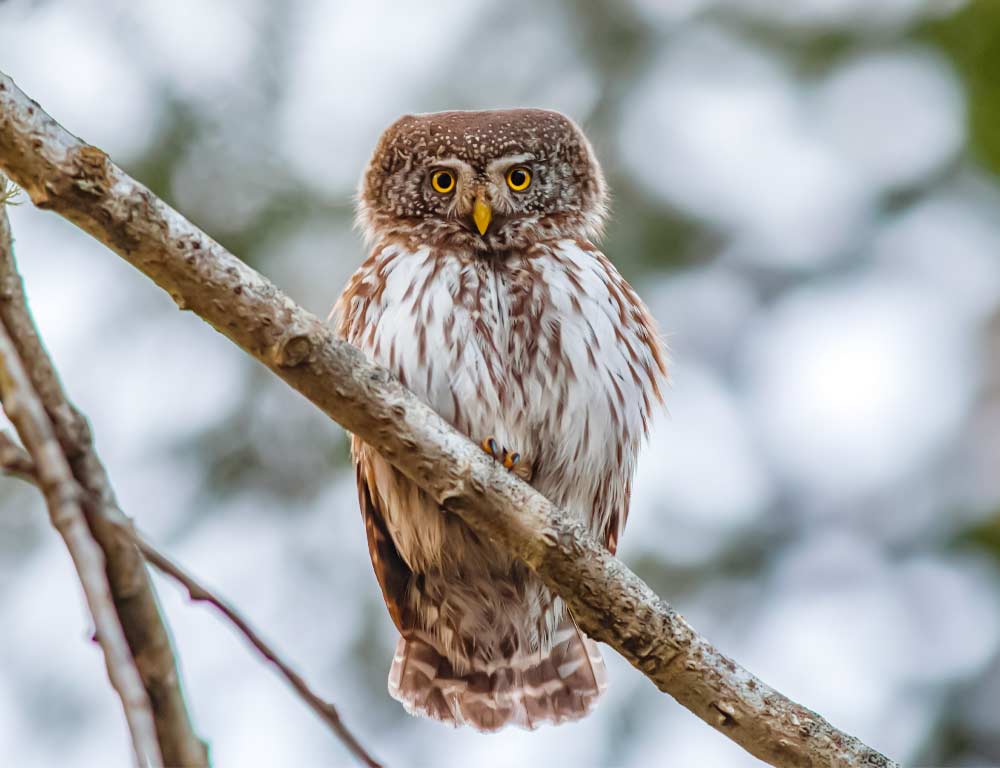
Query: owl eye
x=443 y=181
x=518 y=178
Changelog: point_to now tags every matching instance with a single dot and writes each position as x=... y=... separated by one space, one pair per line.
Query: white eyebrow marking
x=453 y=162
x=504 y=163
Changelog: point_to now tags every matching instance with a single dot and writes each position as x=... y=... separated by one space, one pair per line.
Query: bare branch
x=62 y=495
x=15 y=461
x=61 y=173
x=326 y=711
x=133 y=594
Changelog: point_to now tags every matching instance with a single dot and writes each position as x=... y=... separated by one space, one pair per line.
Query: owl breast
x=549 y=351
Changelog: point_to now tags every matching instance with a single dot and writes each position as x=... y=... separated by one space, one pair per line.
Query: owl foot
x=511 y=460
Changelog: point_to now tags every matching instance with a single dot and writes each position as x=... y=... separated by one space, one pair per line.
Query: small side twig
x=62 y=495
x=8 y=192
x=15 y=461
x=326 y=711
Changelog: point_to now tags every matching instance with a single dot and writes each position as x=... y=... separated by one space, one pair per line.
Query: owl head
x=486 y=181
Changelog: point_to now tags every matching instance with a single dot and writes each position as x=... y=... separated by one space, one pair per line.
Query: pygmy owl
x=485 y=295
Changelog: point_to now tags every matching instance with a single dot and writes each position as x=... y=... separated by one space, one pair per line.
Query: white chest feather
x=550 y=351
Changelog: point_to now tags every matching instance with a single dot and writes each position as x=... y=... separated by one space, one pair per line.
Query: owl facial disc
x=496 y=181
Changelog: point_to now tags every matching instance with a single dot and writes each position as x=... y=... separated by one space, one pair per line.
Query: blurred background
x=805 y=194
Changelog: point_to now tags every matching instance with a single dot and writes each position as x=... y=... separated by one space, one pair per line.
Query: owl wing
x=618 y=356
x=393 y=574
x=354 y=318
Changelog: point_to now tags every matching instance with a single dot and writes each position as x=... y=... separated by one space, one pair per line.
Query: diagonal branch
x=62 y=495
x=134 y=598
x=61 y=173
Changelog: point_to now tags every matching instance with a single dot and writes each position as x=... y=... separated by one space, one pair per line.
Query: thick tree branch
x=134 y=598
x=62 y=495
x=61 y=173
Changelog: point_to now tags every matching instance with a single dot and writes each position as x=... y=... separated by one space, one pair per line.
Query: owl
x=485 y=295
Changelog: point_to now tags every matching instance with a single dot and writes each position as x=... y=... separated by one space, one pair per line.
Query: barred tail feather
x=525 y=690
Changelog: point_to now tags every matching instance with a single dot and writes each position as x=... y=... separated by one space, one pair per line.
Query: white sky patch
x=700 y=482
x=855 y=384
x=702 y=311
x=733 y=146
x=897 y=116
x=952 y=606
x=949 y=241
x=66 y=58
x=201 y=49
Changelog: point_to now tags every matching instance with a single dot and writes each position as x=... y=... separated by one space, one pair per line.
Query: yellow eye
x=443 y=181
x=518 y=178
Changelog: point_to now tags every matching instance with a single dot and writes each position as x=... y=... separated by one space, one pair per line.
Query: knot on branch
x=88 y=174
x=726 y=714
x=293 y=350
x=91 y=165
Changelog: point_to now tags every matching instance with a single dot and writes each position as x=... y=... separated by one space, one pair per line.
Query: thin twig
x=8 y=192
x=327 y=711
x=15 y=461
x=134 y=598
x=62 y=495
x=610 y=603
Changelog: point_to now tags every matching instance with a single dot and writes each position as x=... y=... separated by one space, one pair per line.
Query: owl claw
x=490 y=446
x=511 y=460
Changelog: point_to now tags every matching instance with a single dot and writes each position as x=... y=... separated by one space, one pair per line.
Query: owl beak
x=482 y=213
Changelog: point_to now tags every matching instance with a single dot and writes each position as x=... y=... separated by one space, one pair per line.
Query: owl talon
x=490 y=446
x=511 y=460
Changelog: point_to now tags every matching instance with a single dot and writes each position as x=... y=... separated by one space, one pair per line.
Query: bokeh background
x=805 y=194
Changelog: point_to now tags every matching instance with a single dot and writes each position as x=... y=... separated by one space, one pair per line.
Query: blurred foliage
x=983 y=535
x=971 y=38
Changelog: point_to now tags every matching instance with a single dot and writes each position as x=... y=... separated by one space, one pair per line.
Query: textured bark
x=134 y=598
x=610 y=602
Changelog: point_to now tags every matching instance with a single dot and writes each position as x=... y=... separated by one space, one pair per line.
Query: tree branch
x=16 y=462
x=611 y=604
x=327 y=711
x=134 y=598
x=62 y=495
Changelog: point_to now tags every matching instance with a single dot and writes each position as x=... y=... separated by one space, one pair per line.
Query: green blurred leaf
x=971 y=38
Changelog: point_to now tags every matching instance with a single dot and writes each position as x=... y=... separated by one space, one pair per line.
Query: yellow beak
x=481 y=213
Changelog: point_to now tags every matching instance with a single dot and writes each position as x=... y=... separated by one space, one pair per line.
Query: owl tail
x=524 y=690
